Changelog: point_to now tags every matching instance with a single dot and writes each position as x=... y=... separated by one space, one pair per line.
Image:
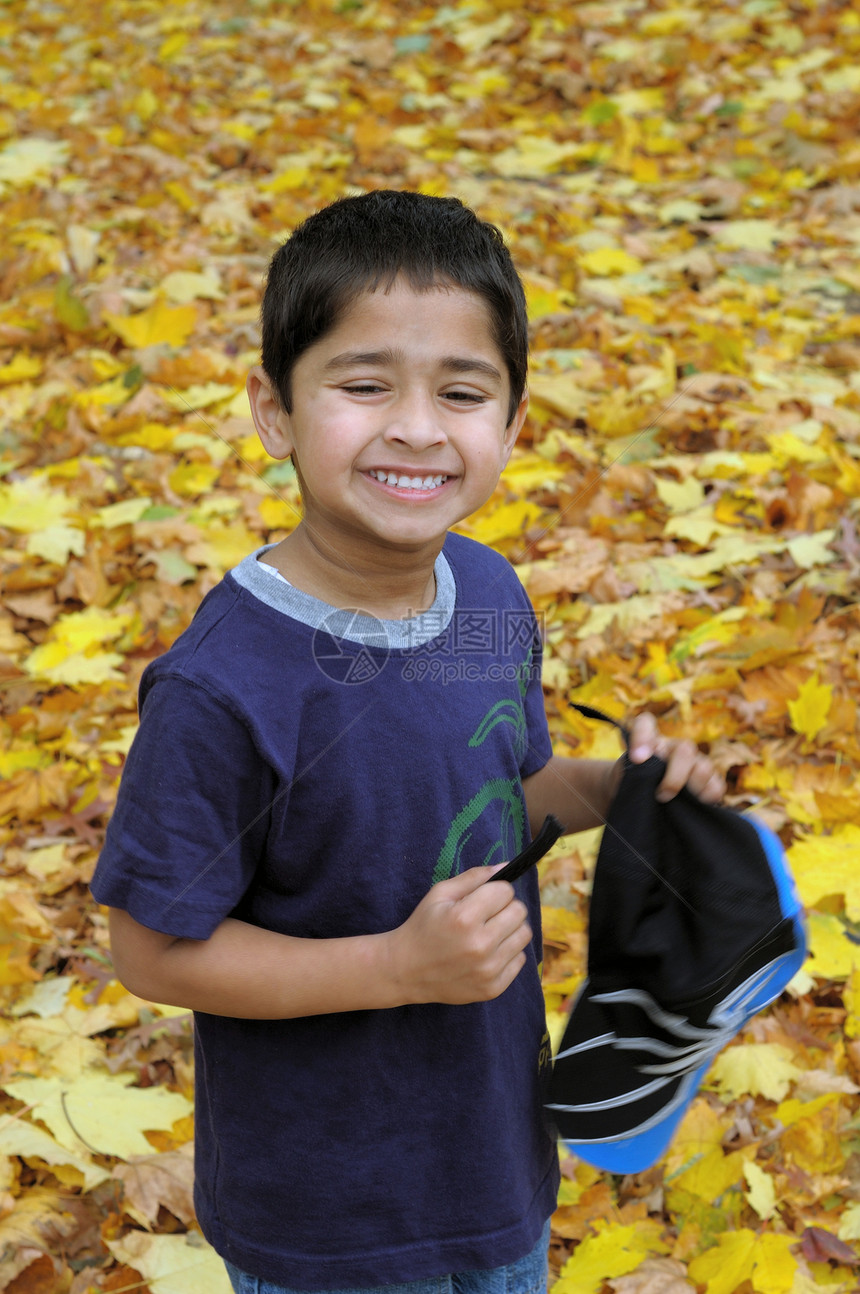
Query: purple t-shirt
x=314 y=771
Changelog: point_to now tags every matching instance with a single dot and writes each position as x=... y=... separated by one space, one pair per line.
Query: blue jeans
x=526 y=1276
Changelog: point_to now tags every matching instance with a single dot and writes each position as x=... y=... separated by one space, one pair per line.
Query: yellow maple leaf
x=809 y=711
x=832 y=955
x=193 y=479
x=54 y=661
x=116 y=391
x=825 y=865
x=610 y=260
x=710 y=1175
x=532 y=471
x=543 y=296
x=505 y=521
x=29 y=505
x=68 y=655
x=700 y=1130
x=173 y=1264
x=160 y=323
x=680 y=496
x=560 y=392
x=810 y=1138
x=532 y=155
x=222 y=547
x=82 y=629
x=291 y=177
x=12 y=761
x=754 y=1069
x=635 y=610
x=56 y=543
x=183 y=286
x=101 y=1110
x=844 y=78
x=152 y=435
x=759 y=235
x=19 y=1137
x=560 y=923
x=278 y=514
x=765 y=1260
x=614 y=1251
x=849 y=1223
x=201 y=396
x=27 y=159
x=794 y=1110
x=762 y=1191
x=122 y=513
x=20 y=369
x=725 y=1265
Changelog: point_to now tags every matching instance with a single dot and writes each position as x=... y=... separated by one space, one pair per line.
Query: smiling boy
x=331 y=762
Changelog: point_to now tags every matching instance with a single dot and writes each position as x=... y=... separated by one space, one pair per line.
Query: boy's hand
x=685 y=763
x=463 y=943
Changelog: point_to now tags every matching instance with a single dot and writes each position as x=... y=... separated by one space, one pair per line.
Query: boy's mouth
x=403 y=482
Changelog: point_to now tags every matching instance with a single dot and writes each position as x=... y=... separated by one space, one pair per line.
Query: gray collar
x=353 y=625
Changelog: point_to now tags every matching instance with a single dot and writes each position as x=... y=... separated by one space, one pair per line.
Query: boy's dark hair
x=359 y=244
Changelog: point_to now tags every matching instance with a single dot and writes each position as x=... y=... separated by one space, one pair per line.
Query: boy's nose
x=417 y=424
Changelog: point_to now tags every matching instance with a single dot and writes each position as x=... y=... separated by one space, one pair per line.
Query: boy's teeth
x=409 y=482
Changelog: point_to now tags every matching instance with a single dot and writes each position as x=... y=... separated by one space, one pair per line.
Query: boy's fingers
x=688 y=767
x=680 y=759
x=706 y=783
x=713 y=790
x=464 y=883
x=685 y=764
x=643 y=737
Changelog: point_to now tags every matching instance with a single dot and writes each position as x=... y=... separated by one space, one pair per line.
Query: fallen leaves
x=766 y=1261
x=173 y=1264
x=100 y=1112
x=679 y=186
x=756 y=1069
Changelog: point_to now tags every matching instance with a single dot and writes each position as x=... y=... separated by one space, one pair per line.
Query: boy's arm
x=464 y=942
x=579 y=791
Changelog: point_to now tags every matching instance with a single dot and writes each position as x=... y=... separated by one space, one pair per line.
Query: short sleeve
x=538 y=745
x=191 y=817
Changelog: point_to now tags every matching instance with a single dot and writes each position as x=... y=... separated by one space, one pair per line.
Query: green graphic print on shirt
x=511 y=825
x=499 y=791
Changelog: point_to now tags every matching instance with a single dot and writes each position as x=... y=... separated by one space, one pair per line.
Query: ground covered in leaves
x=680 y=185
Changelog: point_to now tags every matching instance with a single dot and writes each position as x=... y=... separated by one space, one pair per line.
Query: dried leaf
x=154 y=1180
x=173 y=1264
x=101 y=1111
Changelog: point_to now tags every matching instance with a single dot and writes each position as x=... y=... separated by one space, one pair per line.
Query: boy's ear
x=273 y=425
x=515 y=425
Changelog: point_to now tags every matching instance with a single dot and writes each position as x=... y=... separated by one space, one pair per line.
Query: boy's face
x=398 y=423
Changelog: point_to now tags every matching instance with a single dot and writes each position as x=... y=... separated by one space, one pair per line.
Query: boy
x=318 y=795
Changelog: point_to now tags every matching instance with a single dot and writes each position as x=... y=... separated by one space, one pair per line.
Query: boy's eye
x=454 y=397
x=465 y=397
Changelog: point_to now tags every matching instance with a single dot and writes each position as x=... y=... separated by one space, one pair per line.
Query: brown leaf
x=152 y=1181
x=38 y=1224
x=41 y=606
x=654 y=1276
x=820 y=1246
x=572 y=573
x=573 y=1221
x=39 y=1278
x=716 y=388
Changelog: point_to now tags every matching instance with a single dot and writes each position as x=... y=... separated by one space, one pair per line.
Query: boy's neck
x=388 y=584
